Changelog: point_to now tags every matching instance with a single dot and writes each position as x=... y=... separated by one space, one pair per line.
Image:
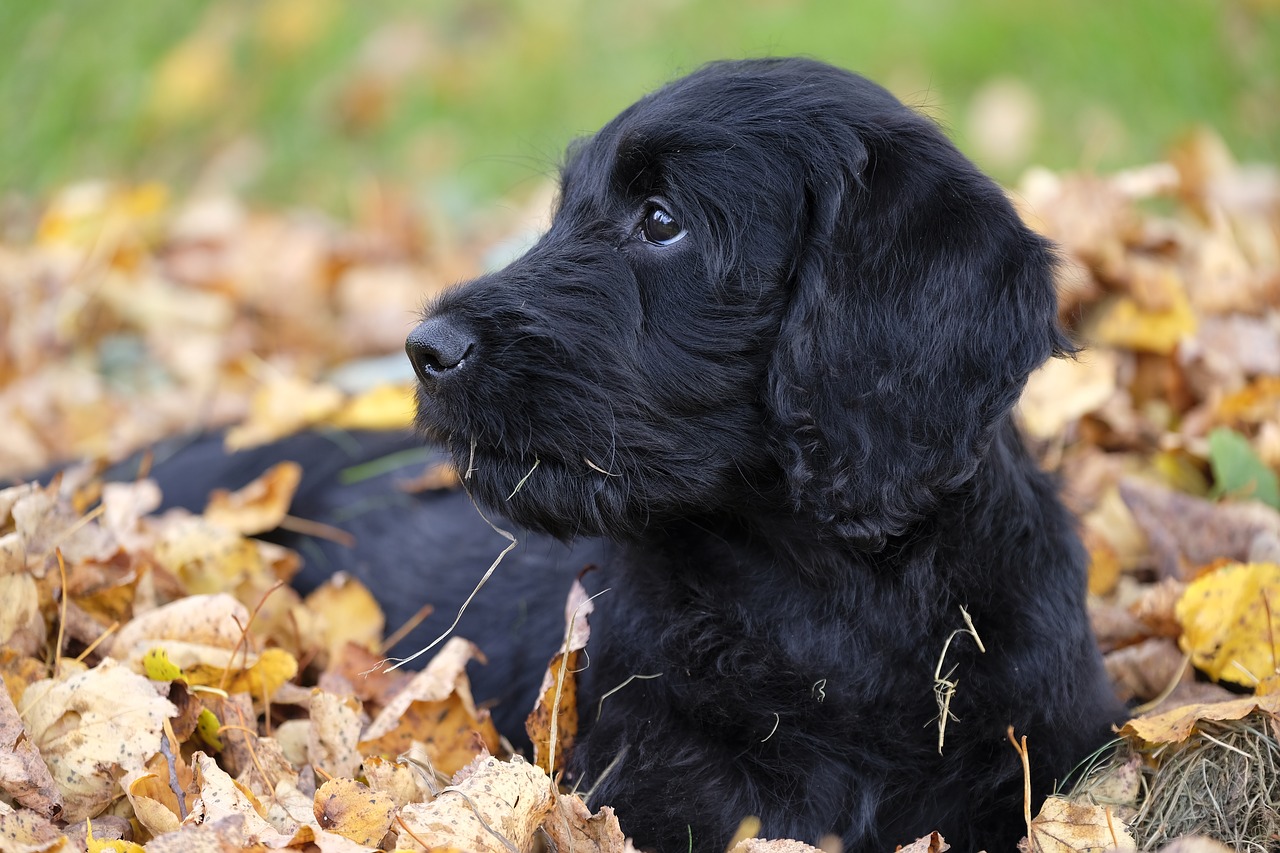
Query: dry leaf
x=384 y=407
x=259 y=506
x=347 y=613
x=282 y=407
x=24 y=831
x=354 y=811
x=91 y=724
x=23 y=773
x=1065 y=390
x=1231 y=622
x=498 y=806
x=334 y=733
x=931 y=843
x=1127 y=325
x=559 y=687
x=572 y=826
x=1063 y=826
x=1176 y=725
x=435 y=709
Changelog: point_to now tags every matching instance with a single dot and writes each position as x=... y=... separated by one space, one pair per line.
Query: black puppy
x=767 y=352
x=760 y=370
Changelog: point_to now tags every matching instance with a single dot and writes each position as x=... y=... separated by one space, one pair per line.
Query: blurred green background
x=462 y=101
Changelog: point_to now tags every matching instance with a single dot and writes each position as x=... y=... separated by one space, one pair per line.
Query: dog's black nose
x=437 y=347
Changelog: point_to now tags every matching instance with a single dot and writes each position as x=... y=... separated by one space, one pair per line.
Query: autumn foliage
x=167 y=690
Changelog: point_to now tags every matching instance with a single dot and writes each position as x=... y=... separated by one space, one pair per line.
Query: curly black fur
x=791 y=426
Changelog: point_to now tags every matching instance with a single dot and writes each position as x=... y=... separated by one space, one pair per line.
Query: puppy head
x=768 y=286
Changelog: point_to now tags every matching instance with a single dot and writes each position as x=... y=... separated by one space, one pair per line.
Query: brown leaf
x=1187 y=532
x=559 y=687
x=572 y=826
x=931 y=843
x=23 y=773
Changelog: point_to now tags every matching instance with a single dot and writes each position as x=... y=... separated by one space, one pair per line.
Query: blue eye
x=659 y=227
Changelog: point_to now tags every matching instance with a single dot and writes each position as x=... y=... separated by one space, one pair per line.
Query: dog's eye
x=659 y=227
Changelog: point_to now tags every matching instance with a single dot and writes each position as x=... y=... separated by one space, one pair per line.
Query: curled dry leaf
x=1176 y=725
x=931 y=843
x=202 y=636
x=572 y=826
x=497 y=807
x=90 y=724
x=259 y=506
x=22 y=625
x=559 y=687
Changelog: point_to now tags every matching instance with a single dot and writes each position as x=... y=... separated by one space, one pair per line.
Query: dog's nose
x=437 y=347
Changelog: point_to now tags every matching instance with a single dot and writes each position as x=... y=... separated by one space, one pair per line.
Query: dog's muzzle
x=438 y=349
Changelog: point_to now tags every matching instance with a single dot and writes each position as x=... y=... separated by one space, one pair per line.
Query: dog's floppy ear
x=920 y=305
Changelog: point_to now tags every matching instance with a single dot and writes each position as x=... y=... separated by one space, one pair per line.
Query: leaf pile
x=165 y=683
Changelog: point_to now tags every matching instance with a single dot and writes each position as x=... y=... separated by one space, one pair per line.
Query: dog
x=766 y=355
x=760 y=371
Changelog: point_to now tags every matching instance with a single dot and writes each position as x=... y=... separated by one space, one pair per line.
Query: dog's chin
x=544 y=493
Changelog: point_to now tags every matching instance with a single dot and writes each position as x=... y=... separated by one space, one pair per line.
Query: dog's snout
x=438 y=347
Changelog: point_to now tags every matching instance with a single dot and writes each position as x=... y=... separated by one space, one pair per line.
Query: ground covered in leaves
x=166 y=689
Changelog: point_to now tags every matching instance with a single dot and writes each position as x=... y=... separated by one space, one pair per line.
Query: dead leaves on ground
x=159 y=667
x=186 y=714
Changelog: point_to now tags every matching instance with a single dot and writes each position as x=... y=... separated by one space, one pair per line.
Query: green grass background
x=461 y=101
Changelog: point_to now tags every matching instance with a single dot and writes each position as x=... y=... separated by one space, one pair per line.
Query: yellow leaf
x=1177 y=725
x=192 y=79
x=354 y=811
x=1231 y=622
x=1126 y=325
x=157 y=666
x=384 y=407
x=258 y=507
x=282 y=407
x=110 y=845
x=207 y=725
x=348 y=613
x=436 y=709
x=273 y=668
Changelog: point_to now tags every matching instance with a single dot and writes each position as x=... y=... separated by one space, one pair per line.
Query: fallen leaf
x=1127 y=325
x=86 y=726
x=1063 y=826
x=559 y=687
x=24 y=831
x=931 y=843
x=436 y=709
x=492 y=807
x=1064 y=390
x=259 y=506
x=1231 y=622
x=334 y=733
x=1237 y=470
x=1176 y=725
x=383 y=407
x=354 y=811
x=23 y=773
x=347 y=613
x=282 y=407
